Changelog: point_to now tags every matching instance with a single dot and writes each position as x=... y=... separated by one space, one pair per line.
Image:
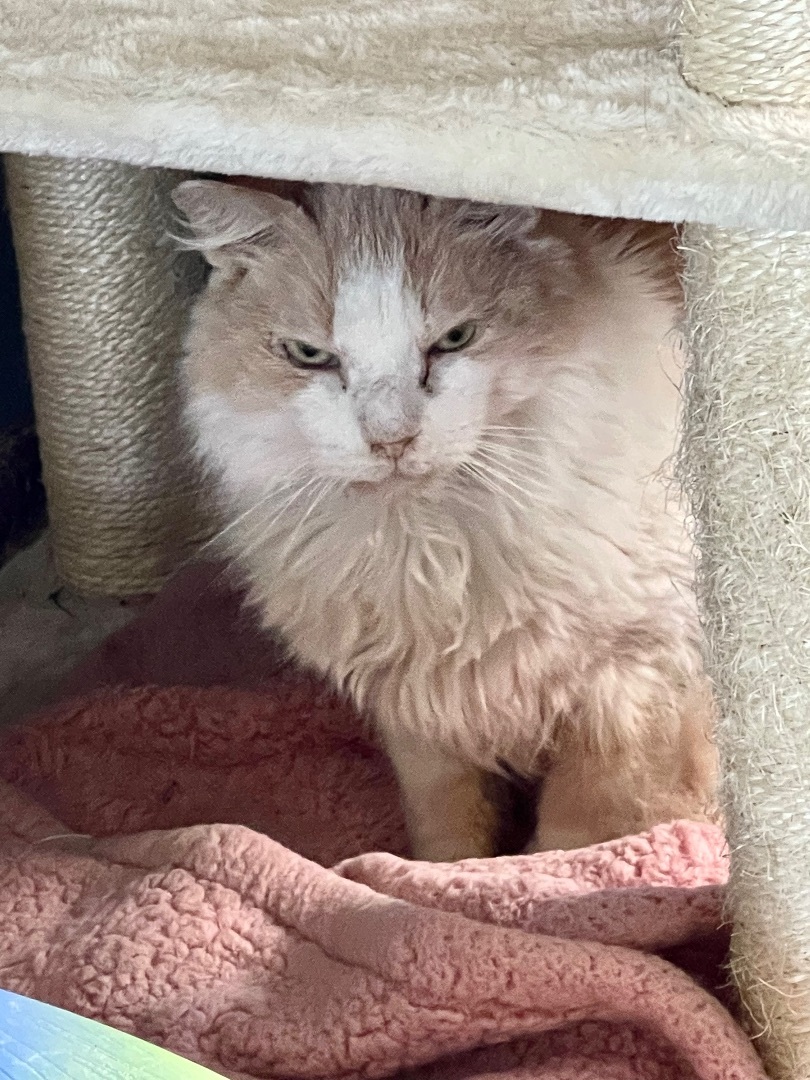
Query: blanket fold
x=219 y=943
x=222 y=870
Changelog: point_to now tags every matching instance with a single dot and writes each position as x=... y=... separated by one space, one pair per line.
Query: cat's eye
x=455 y=339
x=302 y=355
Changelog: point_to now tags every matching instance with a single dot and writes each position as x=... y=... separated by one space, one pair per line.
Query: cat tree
x=641 y=108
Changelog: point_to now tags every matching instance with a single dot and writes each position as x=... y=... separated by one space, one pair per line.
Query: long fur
x=527 y=582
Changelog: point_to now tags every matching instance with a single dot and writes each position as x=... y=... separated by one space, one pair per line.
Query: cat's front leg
x=588 y=797
x=448 y=813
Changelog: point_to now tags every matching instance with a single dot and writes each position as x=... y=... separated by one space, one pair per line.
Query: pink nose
x=392 y=450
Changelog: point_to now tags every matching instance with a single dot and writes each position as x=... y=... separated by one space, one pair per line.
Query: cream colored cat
x=440 y=431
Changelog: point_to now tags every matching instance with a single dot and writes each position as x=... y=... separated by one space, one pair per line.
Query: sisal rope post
x=105 y=299
x=746 y=465
x=755 y=51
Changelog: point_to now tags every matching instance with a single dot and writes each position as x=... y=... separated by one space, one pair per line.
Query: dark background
x=22 y=504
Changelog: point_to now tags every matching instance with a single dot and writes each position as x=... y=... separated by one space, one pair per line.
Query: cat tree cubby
x=641 y=108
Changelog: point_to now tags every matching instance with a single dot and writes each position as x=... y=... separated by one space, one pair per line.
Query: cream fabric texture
x=571 y=104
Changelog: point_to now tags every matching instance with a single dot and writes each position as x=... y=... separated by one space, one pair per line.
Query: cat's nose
x=392 y=450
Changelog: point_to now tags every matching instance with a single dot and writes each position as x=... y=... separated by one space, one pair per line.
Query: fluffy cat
x=440 y=431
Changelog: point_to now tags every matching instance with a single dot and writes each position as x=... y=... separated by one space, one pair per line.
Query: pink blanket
x=251 y=956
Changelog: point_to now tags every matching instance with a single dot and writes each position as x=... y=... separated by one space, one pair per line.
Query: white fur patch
x=377 y=328
x=377 y=322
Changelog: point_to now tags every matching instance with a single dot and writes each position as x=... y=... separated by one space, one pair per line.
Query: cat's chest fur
x=462 y=621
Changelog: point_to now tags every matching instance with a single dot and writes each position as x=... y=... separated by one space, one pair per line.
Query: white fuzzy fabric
x=570 y=104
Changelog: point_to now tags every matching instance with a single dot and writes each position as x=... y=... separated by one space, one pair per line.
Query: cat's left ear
x=231 y=224
x=498 y=222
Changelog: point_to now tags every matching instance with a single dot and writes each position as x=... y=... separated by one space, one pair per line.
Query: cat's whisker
x=508 y=469
x=468 y=469
x=510 y=456
x=519 y=483
x=509 y=442
x=511 y=433
x=266 y=529
x=525 y=444
x=328 y=486
x=496 y=485
x=476 y=470
x=258 y=505
x=524 y=448
x=502 y=494
x=509 y=427
x=527 y=485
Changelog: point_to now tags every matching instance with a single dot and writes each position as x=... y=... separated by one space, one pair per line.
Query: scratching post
x=104 y=299
x=748 y=51
x=747 y=466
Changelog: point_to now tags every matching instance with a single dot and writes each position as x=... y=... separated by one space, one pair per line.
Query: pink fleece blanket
x=293 y=938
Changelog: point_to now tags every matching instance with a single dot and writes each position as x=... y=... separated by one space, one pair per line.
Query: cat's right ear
x=231 y=225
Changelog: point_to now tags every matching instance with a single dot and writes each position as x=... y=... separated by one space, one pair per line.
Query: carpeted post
x=104 y=299
x=746 y=462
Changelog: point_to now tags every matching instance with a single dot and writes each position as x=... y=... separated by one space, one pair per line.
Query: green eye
x=302 y=355
x=455 y=339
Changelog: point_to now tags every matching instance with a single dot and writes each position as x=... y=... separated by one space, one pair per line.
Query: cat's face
x=372 y=337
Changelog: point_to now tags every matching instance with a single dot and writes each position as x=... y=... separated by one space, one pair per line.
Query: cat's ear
x=497 y=222
x=231 y=224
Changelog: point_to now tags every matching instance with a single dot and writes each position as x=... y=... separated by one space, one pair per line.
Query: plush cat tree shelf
x=617 y=107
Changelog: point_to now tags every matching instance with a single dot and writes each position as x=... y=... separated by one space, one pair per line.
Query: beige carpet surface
x=572 y=104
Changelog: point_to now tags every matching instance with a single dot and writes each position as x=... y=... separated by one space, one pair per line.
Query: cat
x=441 y=431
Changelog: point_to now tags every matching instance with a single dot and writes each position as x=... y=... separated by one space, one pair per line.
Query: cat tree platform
x=639 y=108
